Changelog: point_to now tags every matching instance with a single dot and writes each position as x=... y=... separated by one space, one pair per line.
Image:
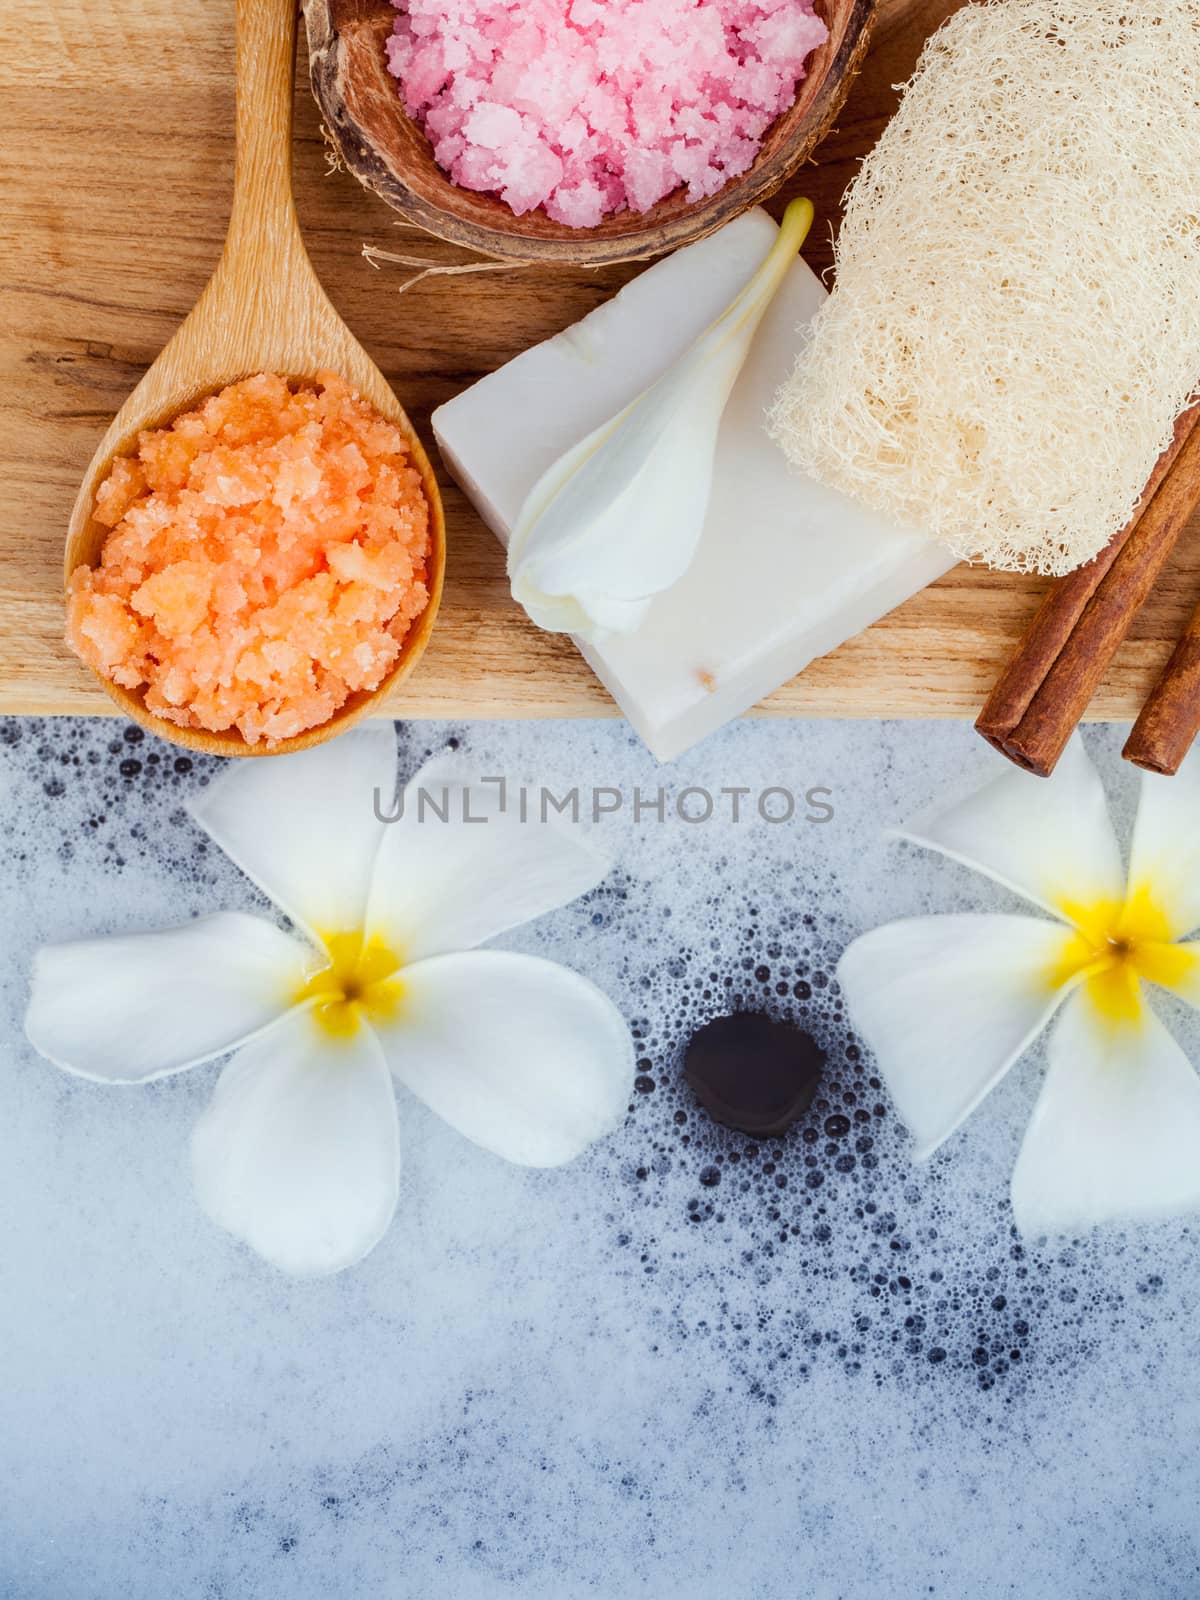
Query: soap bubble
x=800 y=1365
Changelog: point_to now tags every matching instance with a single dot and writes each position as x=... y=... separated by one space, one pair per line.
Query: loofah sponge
x=1016 y=322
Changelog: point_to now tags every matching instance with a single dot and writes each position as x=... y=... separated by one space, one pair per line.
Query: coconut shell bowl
x=361 y=106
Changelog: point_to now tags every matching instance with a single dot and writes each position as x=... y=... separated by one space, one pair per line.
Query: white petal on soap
x=526 y=1058
x=1165 y=855
x=1050 y=839
x=304 y=827
x=298 y=1153
x=139 y=1006
x=450 y=885
x=617 y=520
x=1116 y=1132
x=946 y=1005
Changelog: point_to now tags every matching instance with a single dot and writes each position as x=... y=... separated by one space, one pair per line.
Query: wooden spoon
x=263 y=310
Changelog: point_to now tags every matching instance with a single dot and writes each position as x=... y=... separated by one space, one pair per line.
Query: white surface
x=786 y=569
x=555 y=1385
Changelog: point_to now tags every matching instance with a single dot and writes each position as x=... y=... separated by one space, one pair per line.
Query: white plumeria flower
x=949 y=1003
x=298 y=1153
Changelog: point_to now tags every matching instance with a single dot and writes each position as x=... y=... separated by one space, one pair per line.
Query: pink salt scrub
x=267 y=558
x=588 y=106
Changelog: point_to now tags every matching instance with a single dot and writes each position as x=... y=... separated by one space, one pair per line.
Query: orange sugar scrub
x=267 y=557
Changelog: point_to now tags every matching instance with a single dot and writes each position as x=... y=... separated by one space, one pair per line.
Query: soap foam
x=608 y=1379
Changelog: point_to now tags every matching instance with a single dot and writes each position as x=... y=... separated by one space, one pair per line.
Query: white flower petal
x=298 y=1154
x=1181 y=971
x=304 y=827
x=138 y=1006
x=946 y=1005
x=524 y=1057
x=617 y=519
x=443 y=885
x=1050 y=839
x=1165 y=855
x=1116 y=1132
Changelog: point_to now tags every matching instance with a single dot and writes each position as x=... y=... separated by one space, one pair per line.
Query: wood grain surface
x=114 y=199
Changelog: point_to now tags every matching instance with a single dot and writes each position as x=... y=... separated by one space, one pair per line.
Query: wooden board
x=114 y=192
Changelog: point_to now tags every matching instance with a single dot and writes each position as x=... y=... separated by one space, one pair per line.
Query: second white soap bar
x=786 y=568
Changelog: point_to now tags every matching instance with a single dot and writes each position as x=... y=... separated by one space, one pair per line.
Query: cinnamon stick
x=1170 y=719
x=1041 y=735
x=1060 y=613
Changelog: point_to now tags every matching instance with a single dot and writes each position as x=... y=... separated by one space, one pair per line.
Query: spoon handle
x=264 y=212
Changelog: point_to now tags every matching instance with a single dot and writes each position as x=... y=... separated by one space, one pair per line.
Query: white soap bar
x=786 y=569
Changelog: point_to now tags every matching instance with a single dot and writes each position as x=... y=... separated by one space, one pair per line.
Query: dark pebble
x=752 y=1073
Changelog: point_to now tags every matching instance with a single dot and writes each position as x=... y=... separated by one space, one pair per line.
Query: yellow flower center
x=361 y=980
x=1116 y=944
